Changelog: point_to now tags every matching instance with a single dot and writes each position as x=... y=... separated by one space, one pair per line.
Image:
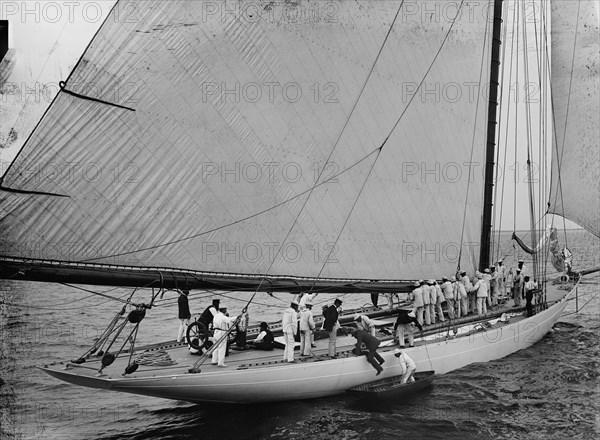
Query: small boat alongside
x=392 y=387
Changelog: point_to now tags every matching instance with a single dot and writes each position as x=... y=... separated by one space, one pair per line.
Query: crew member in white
x=221 y=324
x=448 y=290
x=289 y=324
x=407 y=366
x=364 y=323
x=307 y=326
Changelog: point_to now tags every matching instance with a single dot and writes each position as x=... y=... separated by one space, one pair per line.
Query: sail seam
x=63 y=88
x=23 y=191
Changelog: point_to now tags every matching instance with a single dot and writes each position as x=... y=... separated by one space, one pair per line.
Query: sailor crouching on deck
x=404 y=326
x=371 y=343
x=364 y=323
x=289 y=324
x=221 y=323
x=407 y=365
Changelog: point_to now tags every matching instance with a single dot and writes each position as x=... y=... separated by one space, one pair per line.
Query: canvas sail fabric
x=235 y=118
x=575 y=190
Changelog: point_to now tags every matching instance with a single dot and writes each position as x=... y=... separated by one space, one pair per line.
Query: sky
x=49 y=38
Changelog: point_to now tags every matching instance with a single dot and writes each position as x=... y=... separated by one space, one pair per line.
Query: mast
x=486 y=226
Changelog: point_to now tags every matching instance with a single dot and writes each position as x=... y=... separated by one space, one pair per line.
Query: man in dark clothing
x=265 y=339
x=371 y=343
x=404 y=325
x=375 y=299
x=208 y=315
x=331 y=325
x=528 y=288
x=184 y=314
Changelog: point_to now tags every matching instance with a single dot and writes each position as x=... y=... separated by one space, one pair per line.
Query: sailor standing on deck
x=407 y=366
x=494 y=285
x=308 y=297
x=184 y=313
x=426 y=302
x=487 y=277
x=472 y=299
x=529 y=287
x=517 y=289
x=289 y=324
x=417 y=297
x=501 y=269
x=481 y=292
x=331 y=325
x=307 y=326
x=448 y=290
x=439 y=301
x=221 y=324
x=461 y=299
x=432 y=300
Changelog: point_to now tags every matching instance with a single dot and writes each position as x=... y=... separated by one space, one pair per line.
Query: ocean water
x=549 y=391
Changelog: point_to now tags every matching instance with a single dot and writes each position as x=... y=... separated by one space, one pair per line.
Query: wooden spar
x=169 y=278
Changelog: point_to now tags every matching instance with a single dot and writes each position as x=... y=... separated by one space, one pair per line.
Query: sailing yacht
x=328 y=146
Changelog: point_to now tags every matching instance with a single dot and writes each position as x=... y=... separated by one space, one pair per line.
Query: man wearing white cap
x=480 y=288
x=517 y=289
x=501 y=270
x=307 y=326
x=460 y=293
x=487 y=277
x=471 y=298
x=417 y=298
x=448 y=290
x=427 y=302
x=439 y=301
x=364 y=323
x=289 y=324
x=407 y=366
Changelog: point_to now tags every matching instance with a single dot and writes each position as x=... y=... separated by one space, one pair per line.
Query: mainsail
x=576 y=104
x=314 y=139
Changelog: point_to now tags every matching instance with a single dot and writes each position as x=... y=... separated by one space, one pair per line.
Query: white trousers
x=218 y=356
x=305 y=336
x=183 y=325
x=288 y=353
x=408 y=375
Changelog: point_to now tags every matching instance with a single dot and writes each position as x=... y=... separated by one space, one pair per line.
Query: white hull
x=306 y=380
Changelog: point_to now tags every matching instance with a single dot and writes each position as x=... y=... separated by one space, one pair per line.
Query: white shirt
x=289 y=321
x=447 y=288
x=307 y=322
x=223 y=322
x=405 y=362
x=364 y=323
x=260 y=336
